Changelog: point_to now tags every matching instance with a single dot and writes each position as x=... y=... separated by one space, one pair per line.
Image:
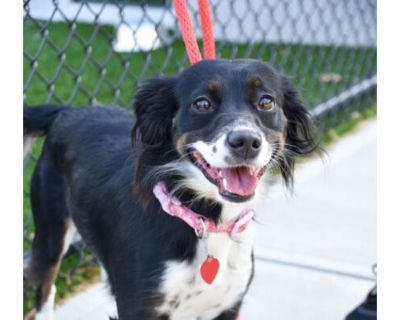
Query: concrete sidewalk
x=314 y=250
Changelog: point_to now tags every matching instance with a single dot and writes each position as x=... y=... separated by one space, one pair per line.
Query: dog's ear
x=299 y=131
x=155 y=106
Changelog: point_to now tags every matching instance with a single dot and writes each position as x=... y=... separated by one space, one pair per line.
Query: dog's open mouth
x=236 y=184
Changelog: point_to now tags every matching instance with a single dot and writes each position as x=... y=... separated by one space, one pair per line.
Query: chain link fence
x=80 y=52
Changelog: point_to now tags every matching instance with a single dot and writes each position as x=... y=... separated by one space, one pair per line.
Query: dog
x=164 y=196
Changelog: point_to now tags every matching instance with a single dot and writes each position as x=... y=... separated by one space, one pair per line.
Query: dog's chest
x=187 y=296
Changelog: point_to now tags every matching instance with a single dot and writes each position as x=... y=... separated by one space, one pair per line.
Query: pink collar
x=198 y=222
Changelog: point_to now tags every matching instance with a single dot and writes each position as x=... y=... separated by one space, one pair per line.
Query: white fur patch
x=186 y=294
x=70 y=236
x=47 y=310
x=216 y=152
x=28 y=142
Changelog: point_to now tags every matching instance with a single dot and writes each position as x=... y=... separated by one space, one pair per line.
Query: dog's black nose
x=244 y=143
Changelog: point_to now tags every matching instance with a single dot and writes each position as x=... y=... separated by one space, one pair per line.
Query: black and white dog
x=211 y=136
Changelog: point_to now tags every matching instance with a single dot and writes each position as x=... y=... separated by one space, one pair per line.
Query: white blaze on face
x=217 y=152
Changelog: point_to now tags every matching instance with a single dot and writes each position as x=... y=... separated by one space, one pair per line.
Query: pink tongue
x=239 y=181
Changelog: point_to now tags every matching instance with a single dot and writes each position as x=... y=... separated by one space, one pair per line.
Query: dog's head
x=218 y=127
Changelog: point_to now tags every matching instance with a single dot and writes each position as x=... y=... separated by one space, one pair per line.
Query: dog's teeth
x=220 y=173
x=225 y=183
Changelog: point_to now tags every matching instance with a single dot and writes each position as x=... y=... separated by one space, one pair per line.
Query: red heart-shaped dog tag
x=209 y=269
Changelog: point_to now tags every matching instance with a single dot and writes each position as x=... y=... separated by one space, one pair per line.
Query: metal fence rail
x=80 y=52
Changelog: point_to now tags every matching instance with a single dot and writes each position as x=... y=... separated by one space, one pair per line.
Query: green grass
x=90 y=49
x=347 y=125
x=76 y=90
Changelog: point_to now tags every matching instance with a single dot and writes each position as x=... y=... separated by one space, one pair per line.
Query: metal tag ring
x=203 y=233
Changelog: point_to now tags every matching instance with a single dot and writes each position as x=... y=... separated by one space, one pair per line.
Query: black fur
x=299 y=132
x=155 y=107
x=38 y=121
x=97 y=171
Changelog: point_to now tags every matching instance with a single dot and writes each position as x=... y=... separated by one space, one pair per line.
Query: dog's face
x=228 y=121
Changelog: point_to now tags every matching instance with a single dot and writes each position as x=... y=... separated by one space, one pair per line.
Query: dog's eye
x=202 y=105
x=265 y=103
